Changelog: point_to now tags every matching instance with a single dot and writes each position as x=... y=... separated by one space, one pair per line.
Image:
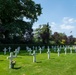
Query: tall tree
x=12 y=13
x=44 y=33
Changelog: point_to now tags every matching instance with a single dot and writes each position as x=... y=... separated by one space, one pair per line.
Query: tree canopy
x=44 y=33
x=11 y=10
x=12 y=13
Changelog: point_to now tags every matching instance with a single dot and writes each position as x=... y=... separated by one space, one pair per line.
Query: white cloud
x=52 y=24
x=68 y=20
x=67 y=27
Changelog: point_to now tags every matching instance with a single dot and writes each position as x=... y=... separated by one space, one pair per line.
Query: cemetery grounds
x=56 y=65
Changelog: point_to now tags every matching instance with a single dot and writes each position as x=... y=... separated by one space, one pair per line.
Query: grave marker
x=16 y=52
x=5 y=50
x=33 y=47
x=34 y=56
x=71 y=50
x=18 y=49
x=48 y=52
x=75 y=49
x=11 y=63
x=9 y=48
x=58 y=52
x=43 y=47
x=29 y=51
x=65 y=50
x=40 y=50
x=36 y=48
x=54 y=48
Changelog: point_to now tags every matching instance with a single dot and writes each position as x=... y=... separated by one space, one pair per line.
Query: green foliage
x=52 y=42
x=17 y=27
x=75 y=43
x=59 y=38
x=43 y=33
x=11 y=10
x=12 y=13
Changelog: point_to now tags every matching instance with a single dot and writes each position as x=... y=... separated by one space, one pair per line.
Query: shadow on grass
x=52 y=58
x=16 y=68
x=1 y=60
x=39 y=62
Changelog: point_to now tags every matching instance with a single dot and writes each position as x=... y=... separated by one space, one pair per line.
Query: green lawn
x=62 y=65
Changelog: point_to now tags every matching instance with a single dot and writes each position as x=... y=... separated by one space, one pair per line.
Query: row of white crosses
x=58 y=48
x=34 y=51
x=9 y=48
x=5 y=50
x=63 y=47
x=34 y=48
x=48 y=52
x=34 y=54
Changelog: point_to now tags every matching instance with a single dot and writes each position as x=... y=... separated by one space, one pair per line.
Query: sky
x=61 y=15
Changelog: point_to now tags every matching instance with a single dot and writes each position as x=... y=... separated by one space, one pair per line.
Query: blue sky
x=61 y=15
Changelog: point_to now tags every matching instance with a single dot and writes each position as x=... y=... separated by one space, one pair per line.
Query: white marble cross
x=33 y=47
x=29 y=51
x=40 y=50
x=68 y=46
x=58 y=52
x=27 y=48
x=34 y=56
x=75 y=48
x=16 y=52
x=63 y=47
x=48 y=52
x=71 y=50
x=5 y=50
x=18 y=49
x=43 y=47
x=54 y=48
x=36 y=48
x=9 y=48
x=57 y=47
x=65 y=50
x=10 y=59
x=60 y=47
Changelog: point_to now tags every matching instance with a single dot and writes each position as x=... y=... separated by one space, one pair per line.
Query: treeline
x=44 y=35
x=40 y=36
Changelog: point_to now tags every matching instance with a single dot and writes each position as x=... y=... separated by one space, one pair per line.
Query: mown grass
x=62 y=65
